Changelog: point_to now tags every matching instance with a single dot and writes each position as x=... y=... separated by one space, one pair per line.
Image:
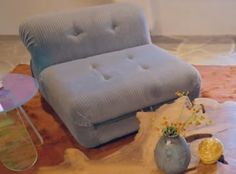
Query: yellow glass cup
x=210 y=150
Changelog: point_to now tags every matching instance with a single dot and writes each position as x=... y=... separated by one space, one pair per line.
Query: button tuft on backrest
x=114 y=26
x=76 y=30
x=106 y=77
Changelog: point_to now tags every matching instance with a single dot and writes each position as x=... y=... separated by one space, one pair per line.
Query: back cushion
x=60 y=37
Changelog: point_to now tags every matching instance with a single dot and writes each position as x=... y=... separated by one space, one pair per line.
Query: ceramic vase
x=172 y=154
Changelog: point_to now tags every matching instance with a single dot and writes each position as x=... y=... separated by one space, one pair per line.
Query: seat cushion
x=100 y=88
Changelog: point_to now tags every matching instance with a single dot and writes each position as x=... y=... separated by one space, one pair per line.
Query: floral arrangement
x=196 y=117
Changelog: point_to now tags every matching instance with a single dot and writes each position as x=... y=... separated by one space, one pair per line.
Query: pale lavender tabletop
x=17 y=90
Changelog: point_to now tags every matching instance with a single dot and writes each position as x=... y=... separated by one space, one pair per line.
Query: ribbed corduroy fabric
x=96 y=67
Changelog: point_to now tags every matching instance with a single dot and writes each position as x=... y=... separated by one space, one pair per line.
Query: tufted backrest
x=65 y=36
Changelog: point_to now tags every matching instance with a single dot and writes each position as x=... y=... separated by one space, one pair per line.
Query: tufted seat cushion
x=94 y=90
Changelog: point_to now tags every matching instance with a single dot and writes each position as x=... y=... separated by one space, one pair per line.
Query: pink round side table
x=17 y=150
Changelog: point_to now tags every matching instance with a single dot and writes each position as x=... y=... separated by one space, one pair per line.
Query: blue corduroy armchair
x=97 y=66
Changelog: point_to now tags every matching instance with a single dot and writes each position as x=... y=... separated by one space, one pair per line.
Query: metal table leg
x=31 y=124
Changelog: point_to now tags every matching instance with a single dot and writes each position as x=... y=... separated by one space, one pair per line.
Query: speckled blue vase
x=172 y=154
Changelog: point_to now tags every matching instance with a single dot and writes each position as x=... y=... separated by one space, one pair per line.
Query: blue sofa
x=97 y=67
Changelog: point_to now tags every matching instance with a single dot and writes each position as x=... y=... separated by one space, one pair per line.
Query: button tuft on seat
x=94 y=66
x=130 y=56
x=145 y=67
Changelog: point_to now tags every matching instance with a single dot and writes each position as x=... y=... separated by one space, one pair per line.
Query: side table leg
x=17 y=151
x=31 y=124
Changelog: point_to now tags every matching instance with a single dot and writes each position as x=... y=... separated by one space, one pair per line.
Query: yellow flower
x=196 y=118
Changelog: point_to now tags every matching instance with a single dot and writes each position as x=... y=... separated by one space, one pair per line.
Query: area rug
x=218 y=82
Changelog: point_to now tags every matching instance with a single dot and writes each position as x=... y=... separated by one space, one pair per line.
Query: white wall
x=194 y=17
x=146 y=5
x=166 y=17
x=13 y=12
